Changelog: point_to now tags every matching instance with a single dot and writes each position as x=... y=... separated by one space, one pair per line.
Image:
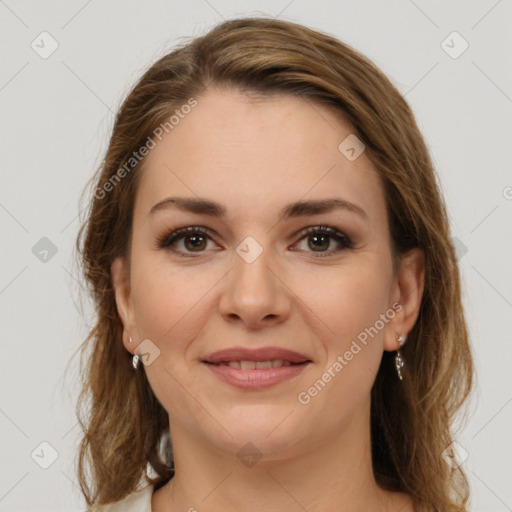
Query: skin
x=245 y=154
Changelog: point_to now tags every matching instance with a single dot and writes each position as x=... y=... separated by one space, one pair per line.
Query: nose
x=254 y=294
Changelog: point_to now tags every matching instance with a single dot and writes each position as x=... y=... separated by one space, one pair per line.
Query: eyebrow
x=204 y=206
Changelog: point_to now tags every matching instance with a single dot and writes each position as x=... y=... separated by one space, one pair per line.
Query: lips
x=238 y=354
x=256 y=369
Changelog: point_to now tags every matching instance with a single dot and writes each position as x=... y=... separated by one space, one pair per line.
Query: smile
x=256 y=365
x=254 y=375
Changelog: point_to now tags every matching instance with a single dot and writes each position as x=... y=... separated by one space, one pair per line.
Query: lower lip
x=256 y=379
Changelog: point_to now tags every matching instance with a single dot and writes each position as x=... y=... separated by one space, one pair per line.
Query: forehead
x=246 y=153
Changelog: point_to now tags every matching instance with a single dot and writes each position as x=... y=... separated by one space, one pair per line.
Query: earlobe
x=409 y=292
x=123 y=299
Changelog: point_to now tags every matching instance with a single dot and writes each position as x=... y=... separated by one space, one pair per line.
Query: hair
x=125 y=428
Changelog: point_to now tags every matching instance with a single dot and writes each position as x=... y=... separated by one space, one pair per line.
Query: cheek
x=349 y=299
x=172 y=307
x=167 y=300
x=353 y=303
x=170 y=312
x=351 y=333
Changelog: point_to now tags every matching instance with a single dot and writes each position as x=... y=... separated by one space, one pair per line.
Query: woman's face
x=254 y=278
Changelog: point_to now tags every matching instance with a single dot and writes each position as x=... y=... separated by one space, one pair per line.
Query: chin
x=270 y=429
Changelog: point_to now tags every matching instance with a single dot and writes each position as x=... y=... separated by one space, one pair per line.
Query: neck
x=331 y=473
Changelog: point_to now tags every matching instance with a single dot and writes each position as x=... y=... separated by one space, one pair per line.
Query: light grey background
x=56 y=115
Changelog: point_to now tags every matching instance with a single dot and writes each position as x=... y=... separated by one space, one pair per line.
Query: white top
x=138 y=501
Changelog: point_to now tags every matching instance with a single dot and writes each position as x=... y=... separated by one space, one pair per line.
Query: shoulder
x=139 y=501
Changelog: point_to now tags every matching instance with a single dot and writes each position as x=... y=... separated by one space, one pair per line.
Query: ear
x=406 y=296
x=121 y=282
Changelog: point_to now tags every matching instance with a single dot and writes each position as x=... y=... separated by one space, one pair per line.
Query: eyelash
x=165 y=241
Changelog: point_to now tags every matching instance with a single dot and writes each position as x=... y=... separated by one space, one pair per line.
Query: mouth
x=256 y=365
x=273 y=355
x=256 y=369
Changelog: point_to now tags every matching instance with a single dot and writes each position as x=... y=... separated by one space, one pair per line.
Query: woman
x=276 y=290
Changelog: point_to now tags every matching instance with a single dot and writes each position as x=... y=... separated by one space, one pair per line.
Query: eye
x=320 y=238
x=194 y=239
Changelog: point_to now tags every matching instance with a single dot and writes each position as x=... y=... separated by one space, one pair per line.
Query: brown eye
x=194 y=239
x=194 y=242
x=320 y=239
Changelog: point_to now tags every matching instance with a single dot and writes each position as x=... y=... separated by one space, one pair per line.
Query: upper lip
x=260 y=354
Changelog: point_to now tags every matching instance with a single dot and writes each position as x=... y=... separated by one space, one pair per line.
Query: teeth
x=256 y=365
x=263 y=365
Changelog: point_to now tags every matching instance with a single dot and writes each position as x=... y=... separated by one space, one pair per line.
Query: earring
x=135 y=358
x=399 y=360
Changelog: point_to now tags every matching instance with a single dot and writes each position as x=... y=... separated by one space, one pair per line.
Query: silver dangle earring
x=135 y=358
x=399 y=360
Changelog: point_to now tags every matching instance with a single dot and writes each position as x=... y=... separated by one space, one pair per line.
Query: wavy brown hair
x=126 y=430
